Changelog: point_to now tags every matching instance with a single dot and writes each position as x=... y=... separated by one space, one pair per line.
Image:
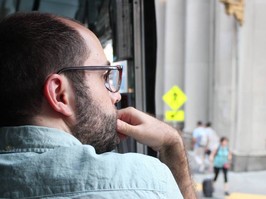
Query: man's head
x=33 y=47
x=199 y=123
x=208 y=124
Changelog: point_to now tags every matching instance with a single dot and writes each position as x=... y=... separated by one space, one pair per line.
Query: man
x=212 y=138
x=200 y=142
x=58 y=92
x=213 y=143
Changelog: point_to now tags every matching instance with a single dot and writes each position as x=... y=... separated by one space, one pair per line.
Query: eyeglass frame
x=94 y=68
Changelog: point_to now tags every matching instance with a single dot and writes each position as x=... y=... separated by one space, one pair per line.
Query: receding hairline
x=76 y=26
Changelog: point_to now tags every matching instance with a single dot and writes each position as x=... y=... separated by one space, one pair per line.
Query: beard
x=93 y=126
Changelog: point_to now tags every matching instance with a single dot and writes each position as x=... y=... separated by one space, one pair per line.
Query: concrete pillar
x=239 y=108
x=225 y=73
x=170 y=50
x=197 y=61
x=250 y=137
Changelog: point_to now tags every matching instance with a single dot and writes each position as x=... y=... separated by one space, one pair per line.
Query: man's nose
x=116 y=97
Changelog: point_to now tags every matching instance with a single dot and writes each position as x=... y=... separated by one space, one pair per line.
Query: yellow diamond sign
x=175 y=98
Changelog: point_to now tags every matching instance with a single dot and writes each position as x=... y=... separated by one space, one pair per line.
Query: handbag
x=226 y=166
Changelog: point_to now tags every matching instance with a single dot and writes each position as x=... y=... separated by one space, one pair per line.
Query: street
x=242 y=185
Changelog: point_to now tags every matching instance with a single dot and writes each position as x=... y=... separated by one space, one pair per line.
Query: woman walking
x=221 y=158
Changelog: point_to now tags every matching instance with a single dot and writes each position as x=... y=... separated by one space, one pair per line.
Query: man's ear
x=58 y=93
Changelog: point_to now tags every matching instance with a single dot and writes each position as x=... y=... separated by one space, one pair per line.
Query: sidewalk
x=246 y=185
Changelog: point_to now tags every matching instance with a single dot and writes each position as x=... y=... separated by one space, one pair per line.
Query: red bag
x=226 y=165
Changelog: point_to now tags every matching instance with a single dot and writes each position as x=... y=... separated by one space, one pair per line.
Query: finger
x=131 y=116
x=124 y=128
x=122 y=113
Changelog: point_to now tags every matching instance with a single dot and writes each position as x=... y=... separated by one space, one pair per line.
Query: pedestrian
x=213 y=142
x=213 y=138
x=200 y=142
x=221 y=158
x=59 y=125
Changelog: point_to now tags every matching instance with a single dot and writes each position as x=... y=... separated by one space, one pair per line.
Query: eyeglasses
x=113 y=75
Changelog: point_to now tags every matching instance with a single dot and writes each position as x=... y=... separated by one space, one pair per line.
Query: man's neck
x=51 y=122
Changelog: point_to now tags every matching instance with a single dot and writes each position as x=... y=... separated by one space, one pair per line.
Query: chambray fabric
x=40 y=162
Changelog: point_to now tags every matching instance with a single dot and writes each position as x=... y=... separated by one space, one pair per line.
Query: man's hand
x=146 y=129
x=160 y=137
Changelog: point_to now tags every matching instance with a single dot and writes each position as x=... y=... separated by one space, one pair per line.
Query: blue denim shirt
x=40 y=162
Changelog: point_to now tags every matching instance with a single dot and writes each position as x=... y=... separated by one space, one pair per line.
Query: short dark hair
x=32 y=46
x=199 y=123
x=208 y=124
x=223 y=139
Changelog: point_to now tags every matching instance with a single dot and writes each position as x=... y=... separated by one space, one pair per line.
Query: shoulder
x=141 y=163
x=208 y=130
x=131 y=171
x=128 y=165
x=63 y=167
x=195 y=132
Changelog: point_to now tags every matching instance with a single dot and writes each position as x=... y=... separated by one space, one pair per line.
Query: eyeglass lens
x=113 y=80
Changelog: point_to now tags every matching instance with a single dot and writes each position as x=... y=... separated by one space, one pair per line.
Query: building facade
x=221 y=66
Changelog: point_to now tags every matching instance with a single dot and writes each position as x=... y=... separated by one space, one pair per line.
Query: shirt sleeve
x=173 y=190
